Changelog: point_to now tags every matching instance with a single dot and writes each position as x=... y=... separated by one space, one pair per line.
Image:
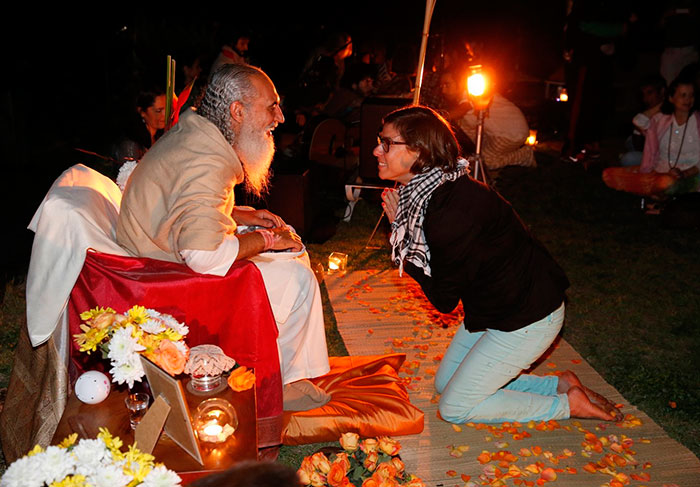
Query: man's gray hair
x=230 y=83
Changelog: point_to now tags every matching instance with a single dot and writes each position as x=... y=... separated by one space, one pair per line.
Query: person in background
x=653 y=91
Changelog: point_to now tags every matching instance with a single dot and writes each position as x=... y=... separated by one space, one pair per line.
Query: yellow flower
x=70 y=481
x=171 y=335
x=89 y=340
x=88 y=315
x=151 y=342
x=35 y=450
x=137 y=314
x=113 y=443
x=69 y=441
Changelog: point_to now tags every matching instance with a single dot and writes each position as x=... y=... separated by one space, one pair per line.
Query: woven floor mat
x=380 y=312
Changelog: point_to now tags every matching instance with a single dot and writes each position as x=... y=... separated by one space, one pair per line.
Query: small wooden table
x=86 y=419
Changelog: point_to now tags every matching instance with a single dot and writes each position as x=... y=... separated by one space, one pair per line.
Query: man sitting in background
x=178 y=206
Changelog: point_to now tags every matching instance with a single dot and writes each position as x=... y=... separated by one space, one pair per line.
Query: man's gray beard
x=256 y=153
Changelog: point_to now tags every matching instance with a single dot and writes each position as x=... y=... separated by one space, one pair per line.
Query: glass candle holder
x=205 y=383
x=215 y=420
x=337 y=262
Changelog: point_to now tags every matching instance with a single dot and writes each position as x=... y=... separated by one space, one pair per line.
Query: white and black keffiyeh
x=407 y=236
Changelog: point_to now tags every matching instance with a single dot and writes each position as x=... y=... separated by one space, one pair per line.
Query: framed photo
x=178 y=426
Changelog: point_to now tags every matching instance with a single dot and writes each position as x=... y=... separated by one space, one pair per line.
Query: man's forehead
x=265 y=88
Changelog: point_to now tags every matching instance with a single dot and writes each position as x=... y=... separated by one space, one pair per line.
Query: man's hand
x=245 y=215
x=285 y=239
x=390 y=198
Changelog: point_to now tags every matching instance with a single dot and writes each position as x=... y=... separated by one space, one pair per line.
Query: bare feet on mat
x=303 y=395
x=569 y=380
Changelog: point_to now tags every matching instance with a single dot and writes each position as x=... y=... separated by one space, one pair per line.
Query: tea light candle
x=337 y=261
x=532 y=138
x=215 y=420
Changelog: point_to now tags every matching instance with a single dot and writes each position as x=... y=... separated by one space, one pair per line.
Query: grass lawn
x=633 y=304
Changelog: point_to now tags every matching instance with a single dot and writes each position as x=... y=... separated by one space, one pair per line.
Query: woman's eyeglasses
x=386 y=143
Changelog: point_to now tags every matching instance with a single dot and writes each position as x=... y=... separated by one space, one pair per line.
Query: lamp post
x=479 y=90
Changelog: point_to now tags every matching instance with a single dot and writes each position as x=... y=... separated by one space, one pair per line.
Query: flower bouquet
x=373 y=462
x=122 y=337
x=96 y=463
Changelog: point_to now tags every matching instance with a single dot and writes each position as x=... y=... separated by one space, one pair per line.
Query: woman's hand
x=245 y=215
x=390 y=198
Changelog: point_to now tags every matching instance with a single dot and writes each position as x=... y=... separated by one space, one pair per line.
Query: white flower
x=25 y=472
x=124 y=173
x=109 y=476
x=161 y=477
x=153 y=326
x=89 y=456
x=56 y=464
x=181 y=328
x=180 y=345
x=123 y=346
x=127 y=372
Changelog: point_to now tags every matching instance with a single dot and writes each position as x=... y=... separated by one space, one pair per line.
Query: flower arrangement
x=372 y=462
x=98 y=463
x=122 y=337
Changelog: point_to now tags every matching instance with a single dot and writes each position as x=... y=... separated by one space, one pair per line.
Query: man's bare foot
x=568 y=380
x=582 y=407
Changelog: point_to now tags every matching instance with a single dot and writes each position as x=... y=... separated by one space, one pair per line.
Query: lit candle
x=215 y=420
x=337 y=261
x=532 y=138
x=563 y=95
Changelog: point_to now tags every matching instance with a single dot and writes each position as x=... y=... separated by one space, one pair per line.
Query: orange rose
x=317 y=480
x=349 y=441
x=304 y=476
x=389 y=483
x=103 y=320
x=370 y=482
x=370 y=462
x=320 y=462
x=389 y=445
x=414 y=482
x=396 y=461
x=336 y=475
x=169 y=358
x=241 y=379
x=368 y=445
x=384 y=471
x=342 y=459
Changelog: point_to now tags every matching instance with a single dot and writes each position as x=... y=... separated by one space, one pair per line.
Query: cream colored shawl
x=180 y=196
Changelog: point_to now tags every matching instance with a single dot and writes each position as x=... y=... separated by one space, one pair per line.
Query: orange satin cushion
x=366 y=398
x=630 y=180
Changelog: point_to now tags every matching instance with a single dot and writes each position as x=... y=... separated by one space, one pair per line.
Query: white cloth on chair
x=79 y=212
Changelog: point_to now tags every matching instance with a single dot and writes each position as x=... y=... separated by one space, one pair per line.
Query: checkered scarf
x=407 y=236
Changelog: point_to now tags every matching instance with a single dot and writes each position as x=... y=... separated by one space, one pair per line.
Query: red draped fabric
x=232 y=312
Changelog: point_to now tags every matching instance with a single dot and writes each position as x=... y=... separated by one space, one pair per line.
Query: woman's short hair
x=427 y=133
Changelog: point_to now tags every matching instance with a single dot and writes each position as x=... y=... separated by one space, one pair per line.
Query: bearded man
x=178 y=206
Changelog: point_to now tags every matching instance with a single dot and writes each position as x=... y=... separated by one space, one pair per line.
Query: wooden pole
x=429 y=7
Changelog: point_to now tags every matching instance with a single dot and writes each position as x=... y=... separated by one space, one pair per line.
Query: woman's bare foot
x=568 y=380
x=582 y=407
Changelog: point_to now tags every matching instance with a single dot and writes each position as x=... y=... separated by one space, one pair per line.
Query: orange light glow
x=532 y=138
x=563 y=95
x=476 y=84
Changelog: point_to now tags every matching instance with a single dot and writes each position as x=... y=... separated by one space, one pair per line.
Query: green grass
x=633 y=306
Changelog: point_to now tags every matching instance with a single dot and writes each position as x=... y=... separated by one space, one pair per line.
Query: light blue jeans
x=476 y=375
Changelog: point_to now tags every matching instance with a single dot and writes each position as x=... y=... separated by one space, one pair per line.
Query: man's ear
x=236 y=109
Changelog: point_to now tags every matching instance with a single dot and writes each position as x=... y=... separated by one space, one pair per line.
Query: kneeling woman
x=462 y=241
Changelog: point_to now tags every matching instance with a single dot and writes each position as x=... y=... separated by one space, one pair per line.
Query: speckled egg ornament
x=92 y=387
